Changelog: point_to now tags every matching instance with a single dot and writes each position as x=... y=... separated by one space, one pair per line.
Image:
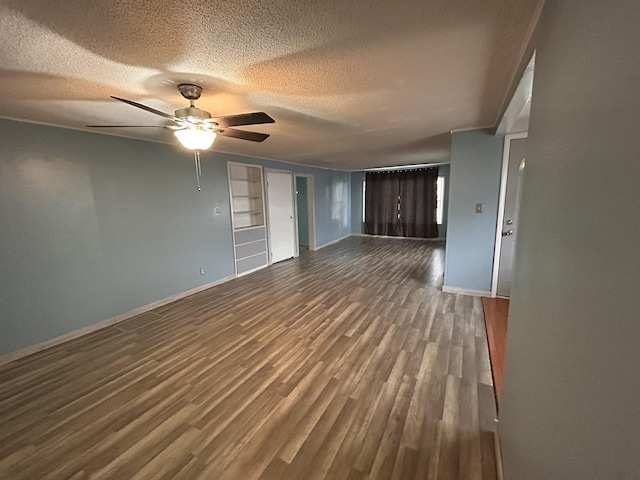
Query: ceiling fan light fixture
x=195 y=138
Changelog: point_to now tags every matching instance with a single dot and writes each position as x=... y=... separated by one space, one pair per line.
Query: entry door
x=517 y=153
x=282 y=232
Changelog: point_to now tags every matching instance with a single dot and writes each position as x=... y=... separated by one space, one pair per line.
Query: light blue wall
x=331 y=193
x=476 y=159
x=93 y=226
x=303 y=211
x=356 y=202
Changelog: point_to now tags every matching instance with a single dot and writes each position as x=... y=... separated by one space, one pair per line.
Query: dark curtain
x=418 y=203
x=381 y=204
x=401 y=203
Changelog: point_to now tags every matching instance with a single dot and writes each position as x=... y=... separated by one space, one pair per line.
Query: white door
x=517 y=151
x=282 y=230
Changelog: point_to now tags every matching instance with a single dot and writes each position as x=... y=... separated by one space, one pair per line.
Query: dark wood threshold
x=496 y=311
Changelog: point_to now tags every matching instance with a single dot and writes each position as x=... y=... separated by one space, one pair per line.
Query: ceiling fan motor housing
x=192 y=112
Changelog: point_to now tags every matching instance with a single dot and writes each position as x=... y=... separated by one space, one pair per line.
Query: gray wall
x=94 y=226
x=476 y=160
x=303 y=211
x=570 y=407
x=356 y=201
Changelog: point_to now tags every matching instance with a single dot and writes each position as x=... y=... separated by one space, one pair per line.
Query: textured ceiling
x=351 y=84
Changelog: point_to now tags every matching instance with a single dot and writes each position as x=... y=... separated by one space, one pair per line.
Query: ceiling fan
x=196 y=129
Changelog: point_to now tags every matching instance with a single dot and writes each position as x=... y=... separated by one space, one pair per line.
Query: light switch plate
x=478 y=207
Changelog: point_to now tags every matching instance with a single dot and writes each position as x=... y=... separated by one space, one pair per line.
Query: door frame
x=501 y=204
x=266 y=209
x=310 y=211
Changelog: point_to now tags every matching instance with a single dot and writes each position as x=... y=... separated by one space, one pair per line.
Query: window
x=402 y=203
x=439 y=199
x=364 y=189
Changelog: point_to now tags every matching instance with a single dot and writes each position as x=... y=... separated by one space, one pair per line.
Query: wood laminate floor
x=345 y=363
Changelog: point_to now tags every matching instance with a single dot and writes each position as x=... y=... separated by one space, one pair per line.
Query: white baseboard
x=436 y=239
x=38 y=347
x=332 y=242
x=498 y=455
x=465 y=291
x=248 y=272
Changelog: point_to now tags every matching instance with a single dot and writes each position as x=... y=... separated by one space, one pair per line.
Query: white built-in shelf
x=247 y=205
x=247 y=212
x=253 y=212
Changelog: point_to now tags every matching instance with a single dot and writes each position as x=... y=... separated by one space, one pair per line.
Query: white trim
x=277 y=170
x=254 y=255
x=470 y=129
x=31 y=349
x=216 y=150
x=333 y=241
x=497 y=448
x=265 y=188
x=268 y=159
x=175 y=144
x=465 y=291
x=90 y=130
x=249 y=243
x=397 y=237
x=503 y=195
x=253 y=270
x=231 y=213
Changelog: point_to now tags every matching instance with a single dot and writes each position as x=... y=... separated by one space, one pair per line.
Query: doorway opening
x=280 y=215
x=507 y=226
x=304 y=213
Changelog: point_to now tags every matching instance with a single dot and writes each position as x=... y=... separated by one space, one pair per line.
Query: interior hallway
x=347 y=362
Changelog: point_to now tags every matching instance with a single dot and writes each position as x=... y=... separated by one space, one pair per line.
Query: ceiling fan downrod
x=196 y=158
x=190 y=91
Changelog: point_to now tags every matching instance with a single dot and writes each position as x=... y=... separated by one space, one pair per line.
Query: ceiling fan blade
x=148 y=109
x=243 y=135
x=127 y=126
x=254 y=118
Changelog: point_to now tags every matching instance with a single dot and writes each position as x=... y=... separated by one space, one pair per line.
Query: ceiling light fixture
x=195 y=138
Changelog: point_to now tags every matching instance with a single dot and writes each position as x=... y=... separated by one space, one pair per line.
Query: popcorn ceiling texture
x=351 y=84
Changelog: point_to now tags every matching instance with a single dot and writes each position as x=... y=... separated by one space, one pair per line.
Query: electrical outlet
x=202 y=271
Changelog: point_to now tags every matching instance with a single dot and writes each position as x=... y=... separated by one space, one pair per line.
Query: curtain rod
x=400 y=170
x=406 y=167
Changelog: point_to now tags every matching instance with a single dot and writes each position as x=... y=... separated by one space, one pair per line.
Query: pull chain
x=196 y=158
